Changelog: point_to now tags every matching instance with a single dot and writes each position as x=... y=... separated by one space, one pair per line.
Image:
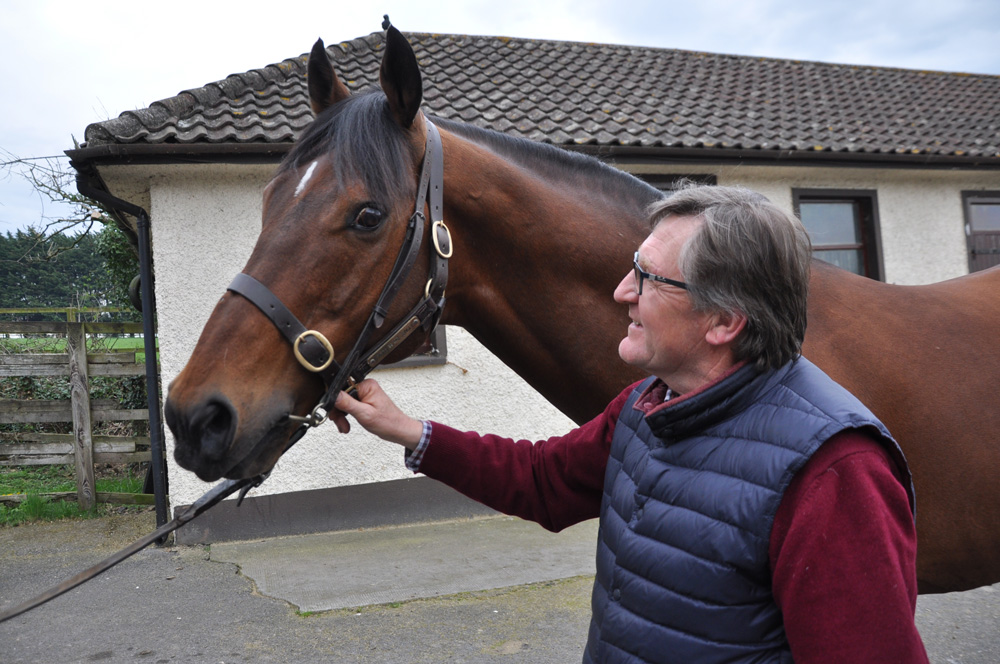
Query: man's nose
x=626 y=291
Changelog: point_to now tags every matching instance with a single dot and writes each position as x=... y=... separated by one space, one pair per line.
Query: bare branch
x=53 y=179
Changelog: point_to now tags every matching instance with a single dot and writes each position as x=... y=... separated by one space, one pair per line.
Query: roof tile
x=569 y=93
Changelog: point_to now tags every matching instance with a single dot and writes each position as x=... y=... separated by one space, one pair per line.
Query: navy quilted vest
x=690 y=495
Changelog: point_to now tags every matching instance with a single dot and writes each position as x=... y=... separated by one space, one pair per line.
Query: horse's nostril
x=218 y=421
x=213 y=427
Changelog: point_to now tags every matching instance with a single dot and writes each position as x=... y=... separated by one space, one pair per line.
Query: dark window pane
x=830 y=223
x=847 y=259
x=843 y=227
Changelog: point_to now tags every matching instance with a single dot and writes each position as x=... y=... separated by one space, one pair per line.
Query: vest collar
x=690 y=413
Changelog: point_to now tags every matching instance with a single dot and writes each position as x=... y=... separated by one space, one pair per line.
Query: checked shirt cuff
x=414 y=457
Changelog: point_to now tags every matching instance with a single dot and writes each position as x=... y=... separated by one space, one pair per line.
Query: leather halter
x=314 y=351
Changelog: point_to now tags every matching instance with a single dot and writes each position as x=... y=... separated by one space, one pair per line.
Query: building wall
x=205 y=220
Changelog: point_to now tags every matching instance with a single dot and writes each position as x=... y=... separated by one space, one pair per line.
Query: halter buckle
x=323 y=341
x=437 y=241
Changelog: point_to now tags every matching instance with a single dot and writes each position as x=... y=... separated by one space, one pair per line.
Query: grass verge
x=33 y=481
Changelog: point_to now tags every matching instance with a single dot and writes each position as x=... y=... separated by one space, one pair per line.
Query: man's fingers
x=367 y=388
x=346 y=403
x=343 y=426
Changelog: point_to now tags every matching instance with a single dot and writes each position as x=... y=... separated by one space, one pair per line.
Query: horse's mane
x=575 y=168
x=350 y=129
x=365 y=142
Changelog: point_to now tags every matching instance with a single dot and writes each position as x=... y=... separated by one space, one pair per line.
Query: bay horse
x=539 y=238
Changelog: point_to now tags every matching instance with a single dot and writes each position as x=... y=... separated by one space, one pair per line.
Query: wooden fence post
x=76 y=346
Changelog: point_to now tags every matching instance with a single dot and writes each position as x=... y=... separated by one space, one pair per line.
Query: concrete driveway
x=477 y=591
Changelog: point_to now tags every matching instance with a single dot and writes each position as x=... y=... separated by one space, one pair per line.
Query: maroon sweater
x=843 y=545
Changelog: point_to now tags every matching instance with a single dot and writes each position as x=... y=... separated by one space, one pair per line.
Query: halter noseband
x=314 y=352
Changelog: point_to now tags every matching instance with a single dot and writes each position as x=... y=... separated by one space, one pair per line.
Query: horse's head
x=335 y=216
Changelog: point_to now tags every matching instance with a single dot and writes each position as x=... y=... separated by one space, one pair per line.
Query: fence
x=81 y=447
x=72 y=314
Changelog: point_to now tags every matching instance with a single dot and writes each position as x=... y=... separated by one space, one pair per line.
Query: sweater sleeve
x=843 y=558
x=555 y=482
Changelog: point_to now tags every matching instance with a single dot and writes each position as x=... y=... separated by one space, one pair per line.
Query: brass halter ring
x=437 y=243
x=318 y=416
x=321 y=413
x=323 y=341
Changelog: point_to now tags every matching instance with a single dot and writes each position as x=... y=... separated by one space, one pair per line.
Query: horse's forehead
x=293 y=183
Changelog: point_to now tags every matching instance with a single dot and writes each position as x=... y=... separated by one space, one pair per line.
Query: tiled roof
x=592 y=94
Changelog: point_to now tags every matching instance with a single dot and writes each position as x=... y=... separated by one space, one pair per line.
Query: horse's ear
x=325 y=89
x=400 y=78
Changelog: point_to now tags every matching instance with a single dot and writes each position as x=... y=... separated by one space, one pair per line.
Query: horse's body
x=925 y=359
x=541 y=238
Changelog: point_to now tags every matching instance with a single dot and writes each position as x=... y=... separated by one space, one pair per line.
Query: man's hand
x=377 y=413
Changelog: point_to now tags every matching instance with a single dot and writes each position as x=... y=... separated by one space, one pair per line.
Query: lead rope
x=211 y=498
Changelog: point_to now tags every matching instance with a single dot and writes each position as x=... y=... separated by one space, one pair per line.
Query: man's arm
x=843 y=558
x=555 y=482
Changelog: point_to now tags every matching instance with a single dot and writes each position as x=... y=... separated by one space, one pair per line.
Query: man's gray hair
x=748 y=256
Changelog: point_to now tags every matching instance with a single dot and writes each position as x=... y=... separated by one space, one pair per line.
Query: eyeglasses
x=641 y=274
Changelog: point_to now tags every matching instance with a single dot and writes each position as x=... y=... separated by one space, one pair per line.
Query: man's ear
x=725 y=327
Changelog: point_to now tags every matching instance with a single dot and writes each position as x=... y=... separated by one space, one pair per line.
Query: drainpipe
x=156 y=451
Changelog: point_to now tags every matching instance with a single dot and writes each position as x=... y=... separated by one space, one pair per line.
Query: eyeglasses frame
x=641 y=274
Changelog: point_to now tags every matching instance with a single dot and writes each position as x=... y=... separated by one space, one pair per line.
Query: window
x=982 y=228
x=843 y=226
x=668 y=182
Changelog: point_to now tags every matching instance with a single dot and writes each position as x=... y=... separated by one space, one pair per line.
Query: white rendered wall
x=205 y=221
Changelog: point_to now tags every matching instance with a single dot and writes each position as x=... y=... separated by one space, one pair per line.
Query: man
x=751 y=510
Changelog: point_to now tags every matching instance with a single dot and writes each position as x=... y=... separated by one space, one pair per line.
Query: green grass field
x=58 y=345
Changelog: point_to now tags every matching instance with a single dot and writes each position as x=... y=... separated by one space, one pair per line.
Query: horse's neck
x=536 y=264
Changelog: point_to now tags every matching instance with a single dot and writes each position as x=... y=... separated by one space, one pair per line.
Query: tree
x=99 y=273
x=63 y=271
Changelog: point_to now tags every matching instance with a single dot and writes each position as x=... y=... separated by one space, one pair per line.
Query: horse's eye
x=368 y=218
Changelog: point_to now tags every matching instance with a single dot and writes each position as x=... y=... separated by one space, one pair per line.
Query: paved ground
x=512 y=593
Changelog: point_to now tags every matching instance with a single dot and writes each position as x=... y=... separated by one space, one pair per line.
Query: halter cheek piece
x=314 y=352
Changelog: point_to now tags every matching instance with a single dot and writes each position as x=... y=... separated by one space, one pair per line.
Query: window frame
x=968 y=198
x=667 y=182
x=871 y=236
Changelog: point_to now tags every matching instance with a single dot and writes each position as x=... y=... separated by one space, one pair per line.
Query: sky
x=67 y=64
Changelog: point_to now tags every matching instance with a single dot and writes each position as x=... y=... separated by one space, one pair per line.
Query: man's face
x=666 y=337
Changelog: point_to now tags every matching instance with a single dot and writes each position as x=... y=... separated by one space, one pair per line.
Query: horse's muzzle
x=204 y=435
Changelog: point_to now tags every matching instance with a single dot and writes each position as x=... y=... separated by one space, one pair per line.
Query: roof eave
x=178 y=153
x=186 y=153
x=754 y=156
